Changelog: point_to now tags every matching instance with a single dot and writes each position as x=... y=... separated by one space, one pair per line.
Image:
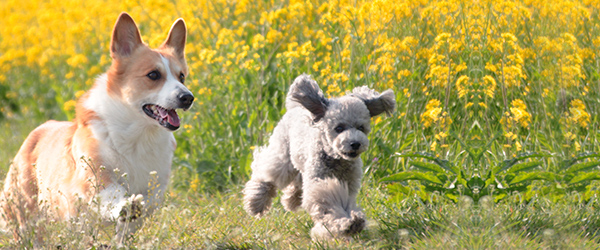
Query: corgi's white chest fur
x=131 y=145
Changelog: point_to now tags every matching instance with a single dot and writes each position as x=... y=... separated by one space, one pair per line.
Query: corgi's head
x=151 y=81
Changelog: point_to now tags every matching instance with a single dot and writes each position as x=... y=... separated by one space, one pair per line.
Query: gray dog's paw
x=357 y=223
x=258 y=196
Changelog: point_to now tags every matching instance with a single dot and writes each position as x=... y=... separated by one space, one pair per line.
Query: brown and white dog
x=117 y=152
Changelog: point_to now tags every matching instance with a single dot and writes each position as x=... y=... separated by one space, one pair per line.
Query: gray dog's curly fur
x=314 y=156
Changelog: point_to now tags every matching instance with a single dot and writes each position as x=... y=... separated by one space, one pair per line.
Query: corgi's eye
x=153 y=75
x=181 y=77
x=361 y=129
x=339 y=129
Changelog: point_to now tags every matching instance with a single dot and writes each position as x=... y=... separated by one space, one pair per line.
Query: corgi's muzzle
x=185 y=100
x=168 y=118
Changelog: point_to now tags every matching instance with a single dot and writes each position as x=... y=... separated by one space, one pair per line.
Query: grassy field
x=494 y=144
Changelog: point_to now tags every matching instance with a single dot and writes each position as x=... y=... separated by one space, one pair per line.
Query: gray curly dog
x=314 y=156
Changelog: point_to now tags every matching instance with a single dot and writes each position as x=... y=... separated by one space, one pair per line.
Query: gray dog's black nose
x=355 y=145
x=186 y=99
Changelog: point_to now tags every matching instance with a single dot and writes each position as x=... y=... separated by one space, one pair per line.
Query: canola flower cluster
x=452 y=63
x=508 y=63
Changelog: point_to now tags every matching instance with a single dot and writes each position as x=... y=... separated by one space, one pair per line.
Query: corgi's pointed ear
x=125 y=37
x=376 y=103
x=306 y=92
x=177 y=38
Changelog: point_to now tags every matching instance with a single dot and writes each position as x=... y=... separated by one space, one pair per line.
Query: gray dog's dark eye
x=339 y=129
x=361 y=128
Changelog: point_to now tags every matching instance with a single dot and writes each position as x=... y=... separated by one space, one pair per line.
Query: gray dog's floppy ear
x=306 y=92
x=376 y=103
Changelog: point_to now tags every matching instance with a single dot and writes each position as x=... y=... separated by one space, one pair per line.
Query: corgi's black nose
x=355 y=145
x=186 y=99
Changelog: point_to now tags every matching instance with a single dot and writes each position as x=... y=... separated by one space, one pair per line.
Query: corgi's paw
x=132 y=210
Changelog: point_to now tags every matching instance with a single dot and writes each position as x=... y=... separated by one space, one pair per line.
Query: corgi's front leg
x=129 y=217
x=127 y=211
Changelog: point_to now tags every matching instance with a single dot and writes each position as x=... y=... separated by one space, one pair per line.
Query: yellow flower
x=570 y=136
x=316 y=66
x=194 y=184
x=440 y=136
x=273 y=36
x=519 y=104
x=333 y=89
x=508 y=37
x=518 y=115
x=258 y=41
x=518 y=146
x=406 y=93
x=79 y=93
x=443 y=37
x=69 y=105
x=510 y=136
x=490 y=85
x=403 y=73
x=433 y=115
x=77 y=60
x=577 y=113
x=204 y=91
x=433 y=103
x=433 y=146
x=461 y=85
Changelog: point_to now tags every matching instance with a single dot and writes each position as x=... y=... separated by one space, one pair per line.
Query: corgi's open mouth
x=168 y=118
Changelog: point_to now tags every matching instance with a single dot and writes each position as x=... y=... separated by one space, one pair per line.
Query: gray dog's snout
x=355 y=145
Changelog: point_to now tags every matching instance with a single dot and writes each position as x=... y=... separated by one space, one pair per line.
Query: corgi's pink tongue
x=170 y=115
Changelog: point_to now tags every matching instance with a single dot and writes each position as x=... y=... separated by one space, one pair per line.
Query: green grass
x=218 y=221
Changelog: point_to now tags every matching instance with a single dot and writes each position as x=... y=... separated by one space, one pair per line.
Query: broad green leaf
x=427 y=166
x=412 y=175
x=530 y=176
x=425 y=155
x=506 y=164
x=512 y=188
x=567 y=163
x=584 y=166
x=445 y=164
x=585 y=177
x=432 y=188
x=398 y=188
x=521 y=167
x=586 y=155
